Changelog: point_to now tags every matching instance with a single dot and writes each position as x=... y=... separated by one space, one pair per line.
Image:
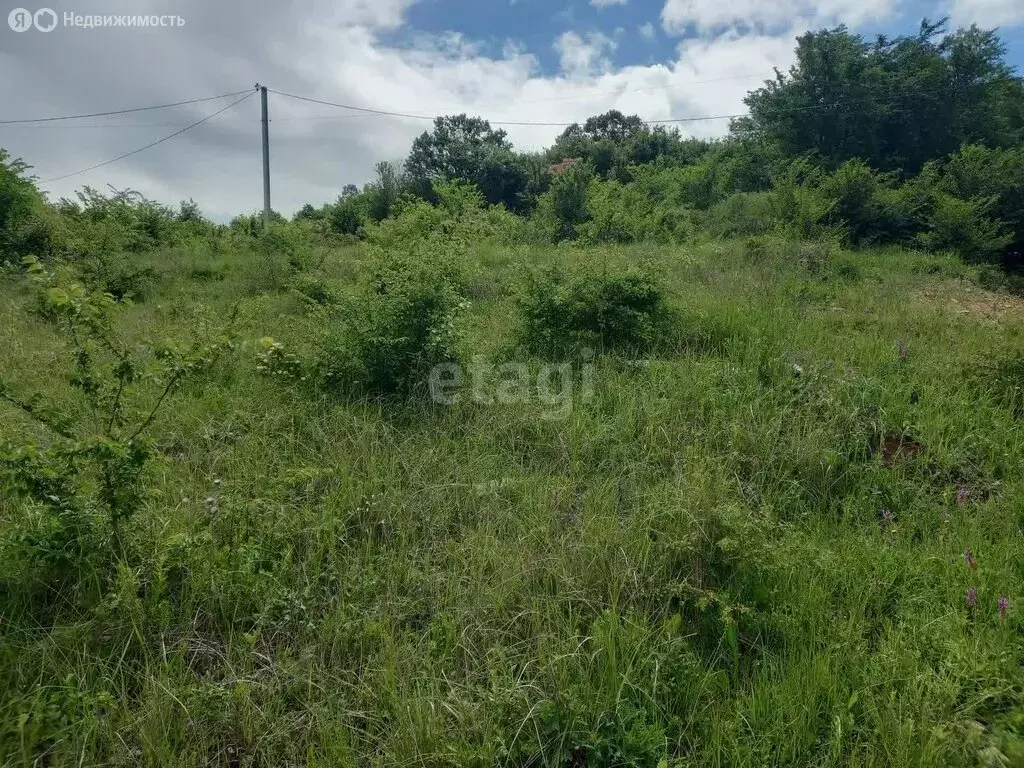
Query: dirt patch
x=895 y=450
x=976 y=303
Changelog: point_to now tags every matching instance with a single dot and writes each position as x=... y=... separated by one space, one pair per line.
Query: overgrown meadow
x=743 y=544
x=680 y=465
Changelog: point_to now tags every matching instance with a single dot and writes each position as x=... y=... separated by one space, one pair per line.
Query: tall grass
x=691 y=568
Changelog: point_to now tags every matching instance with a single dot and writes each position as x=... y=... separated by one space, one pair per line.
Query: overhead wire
x=152 y=144
x=544 y=124
x=522 y=123
x=359 y=110
x=121 y=111
x=34 y=122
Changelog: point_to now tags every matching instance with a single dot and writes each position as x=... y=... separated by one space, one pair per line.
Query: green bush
x=78 y=478
x=314 y=290
x=347 y=215
x=24 y=226
x=626 y=213
x=560 y=311
x=117 y=274
x=964 y=227
x=995 y=174
x=563 y=208
x=121 y=221
x=402 y=323
x=744 y=214
x=864 y=205
x=993 y=278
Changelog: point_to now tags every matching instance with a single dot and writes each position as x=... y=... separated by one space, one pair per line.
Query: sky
x=540 y=61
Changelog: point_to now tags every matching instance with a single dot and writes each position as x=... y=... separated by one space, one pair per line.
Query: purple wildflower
x=972 y=597
x=969 y=557
x=1004 y=605
x=961 y=494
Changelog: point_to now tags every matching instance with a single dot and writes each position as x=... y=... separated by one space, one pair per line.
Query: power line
x=620 y=91
x=520 y=123
x=153 y=144
x=492 y=122
x=573 y=97
x=121 y=111
x=109 y=125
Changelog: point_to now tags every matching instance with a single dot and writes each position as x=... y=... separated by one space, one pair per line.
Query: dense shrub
x=118 y=274
x=563 y=208
x=861 y=207
x=977 y=172
x=24 y=228
x=744 y=214
x=401 y=324
x=624 y=213
x=618 y=310
x=964 y=227
x=347 y=215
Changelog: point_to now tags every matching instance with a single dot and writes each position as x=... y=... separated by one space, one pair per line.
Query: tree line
x=914 y=139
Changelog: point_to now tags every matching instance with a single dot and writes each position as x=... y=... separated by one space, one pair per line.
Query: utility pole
x=266 y=157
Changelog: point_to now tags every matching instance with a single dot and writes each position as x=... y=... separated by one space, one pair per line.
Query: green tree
x=20 y=203
x=383 y=194
x=467 y=149
x=896 y=104
x=563 y=208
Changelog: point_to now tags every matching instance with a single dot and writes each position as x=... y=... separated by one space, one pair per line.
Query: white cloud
x=583 y=56
x=679 y=15
x=987 y=13
x=607 y=3
x=316 y=149
x=374 y=14
x=646 y=31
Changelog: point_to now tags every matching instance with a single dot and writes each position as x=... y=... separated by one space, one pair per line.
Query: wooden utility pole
x=266 y=157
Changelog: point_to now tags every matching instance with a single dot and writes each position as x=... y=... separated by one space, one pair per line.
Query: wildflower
x=972 y=597
x=962 y=493
x=1004 y=605
x=887 y=518
x=901 y=348
x=969 y=557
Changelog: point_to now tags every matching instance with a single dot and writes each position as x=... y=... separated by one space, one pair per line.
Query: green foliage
x=591 y=308
x=466 y=149
x=979 y=173
x=314 y=290
x=118 y=274
x=744 y=214
x=618 y=213
x=895 y=104
x=24 y=228
x=123 y=220
x=84 y=480
x=345 y=216
x=382 y=198
x=563 y=208
x=864 y=206
x=401 y=324
x=963 y=226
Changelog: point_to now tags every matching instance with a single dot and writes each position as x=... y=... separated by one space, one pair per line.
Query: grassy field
x=745 y=549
